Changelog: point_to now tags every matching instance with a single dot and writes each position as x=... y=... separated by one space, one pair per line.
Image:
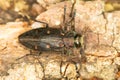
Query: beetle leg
x=29 y=55
x=64 y=20
x=78 y=66
x=43 y=69
x=77 y=70
x=43 y=23
x=33 y=55
x=61 y=68
x=24 y=56
x=63 y=74
x=83 y=57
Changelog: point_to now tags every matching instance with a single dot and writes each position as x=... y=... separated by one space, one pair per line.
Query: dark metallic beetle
x=50 y=39
x=53 y=39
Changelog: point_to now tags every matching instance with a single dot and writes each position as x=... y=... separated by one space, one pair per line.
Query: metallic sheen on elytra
x=49 y=39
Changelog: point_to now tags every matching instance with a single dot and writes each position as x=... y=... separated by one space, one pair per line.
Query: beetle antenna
x=73 y=21
x=72 y=15
x=72 y=8
x=64 y=18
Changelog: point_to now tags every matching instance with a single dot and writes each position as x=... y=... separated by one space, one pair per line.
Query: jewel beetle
x=50 y=39
x=54 y=39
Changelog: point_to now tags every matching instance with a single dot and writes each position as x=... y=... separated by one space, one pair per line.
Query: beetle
x=53 y=39
x=49 y=39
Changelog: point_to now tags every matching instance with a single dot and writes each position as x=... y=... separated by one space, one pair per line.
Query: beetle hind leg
x=29 y=54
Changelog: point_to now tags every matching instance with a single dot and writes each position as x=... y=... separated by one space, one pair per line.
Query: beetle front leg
x=43 y=23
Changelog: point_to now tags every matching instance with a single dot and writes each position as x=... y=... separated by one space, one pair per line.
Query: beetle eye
x=77 y=41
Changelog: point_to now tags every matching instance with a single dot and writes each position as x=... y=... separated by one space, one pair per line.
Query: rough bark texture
x=101 y=39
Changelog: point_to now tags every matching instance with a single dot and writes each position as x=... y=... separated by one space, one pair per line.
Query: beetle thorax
x=68 y=42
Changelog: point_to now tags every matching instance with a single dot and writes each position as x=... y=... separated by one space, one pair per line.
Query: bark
x=101 y=40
